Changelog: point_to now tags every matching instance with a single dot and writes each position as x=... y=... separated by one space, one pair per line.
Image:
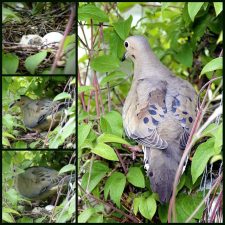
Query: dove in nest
x=39 y=183
x=39 y=115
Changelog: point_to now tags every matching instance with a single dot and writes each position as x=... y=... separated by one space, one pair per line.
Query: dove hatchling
x=39 y=183
x=38 y=114
x=158 y=113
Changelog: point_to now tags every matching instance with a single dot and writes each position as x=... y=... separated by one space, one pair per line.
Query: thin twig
x=134 y=219
x=68 y=28
x=121 y=161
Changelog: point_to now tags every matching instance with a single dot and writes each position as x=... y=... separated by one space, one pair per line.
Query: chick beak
x=124 y=57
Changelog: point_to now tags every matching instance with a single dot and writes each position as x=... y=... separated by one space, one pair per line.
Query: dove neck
x=147 y=65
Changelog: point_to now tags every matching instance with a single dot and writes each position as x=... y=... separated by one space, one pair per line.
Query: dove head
x=136 y=47
x=23 y=100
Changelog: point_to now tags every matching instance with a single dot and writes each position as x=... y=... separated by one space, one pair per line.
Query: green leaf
x=20 y=144
x=5 y=141
x=163 y=212
x=147 y=207
x=122 y=28
x=105 y=151
x=8 y=121
x=194 y=8
x=63 y=95
x=112 y=122
x=7 y=217
x=25 y=219
x=116 y=45
x=220 y=38
x=85 y=89
x=216 y=158
x=113 y=77
x=201 y=157
x=88 y=12
x=9 y=210
x=185 y=55
x=215 y=64
x=124 y=6
x=67 y=168
x=111 y=138
x=105 y=63
x=218 y=7
x=115 y=186
x=8 y=14
x=83 y=131
x=32 y=62
x=98 y=172
x=136 y=177
x=218 y=139
x=210 y=130
x=96 y=218
x=105 y=126
x=85 y=215
x=136 y=204
x=184 y=209
x=181 y=183
x=10 y=63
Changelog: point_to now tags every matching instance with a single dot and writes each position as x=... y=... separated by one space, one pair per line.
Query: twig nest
x=31 y=39
x=52 y=39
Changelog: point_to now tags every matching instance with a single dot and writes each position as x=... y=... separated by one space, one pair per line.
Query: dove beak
x=12 y=104
x=124 y=57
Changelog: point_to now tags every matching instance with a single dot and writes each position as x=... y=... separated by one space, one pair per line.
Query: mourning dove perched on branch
x=158 y=113
x=38 y=115
x=38 y=183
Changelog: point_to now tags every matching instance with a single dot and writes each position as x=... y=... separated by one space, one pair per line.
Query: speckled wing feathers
x=152 y=107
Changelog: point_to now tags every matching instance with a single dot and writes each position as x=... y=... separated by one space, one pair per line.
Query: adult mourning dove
x=158 y=113
x=39 y=183
x=38 y=114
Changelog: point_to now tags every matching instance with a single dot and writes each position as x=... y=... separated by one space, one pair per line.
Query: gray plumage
x=158 y=113
x=38 y=114
x=38 y=183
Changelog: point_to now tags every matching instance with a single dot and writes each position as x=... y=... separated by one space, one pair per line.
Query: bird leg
x=133 y=150
x=31 y=135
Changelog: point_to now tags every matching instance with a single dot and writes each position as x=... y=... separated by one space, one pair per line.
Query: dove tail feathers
x=161 y=166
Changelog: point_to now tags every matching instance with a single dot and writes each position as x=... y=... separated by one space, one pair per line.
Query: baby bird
x=38 y=115
x=39 y=183
x=31 y=40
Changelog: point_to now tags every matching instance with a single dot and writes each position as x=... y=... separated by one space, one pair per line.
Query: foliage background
x=187 y=38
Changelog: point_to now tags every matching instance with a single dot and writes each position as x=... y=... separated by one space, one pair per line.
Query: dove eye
x=126 y=44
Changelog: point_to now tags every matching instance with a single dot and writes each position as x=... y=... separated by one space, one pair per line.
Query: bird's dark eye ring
x=126 y=44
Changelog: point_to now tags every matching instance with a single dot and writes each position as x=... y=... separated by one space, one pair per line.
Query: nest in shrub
x=53 y=18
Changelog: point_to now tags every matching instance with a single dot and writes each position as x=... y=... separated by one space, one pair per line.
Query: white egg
x=31 y=39
x=52 y=39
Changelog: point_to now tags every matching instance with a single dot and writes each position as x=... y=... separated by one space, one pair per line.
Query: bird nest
x=52 y=18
